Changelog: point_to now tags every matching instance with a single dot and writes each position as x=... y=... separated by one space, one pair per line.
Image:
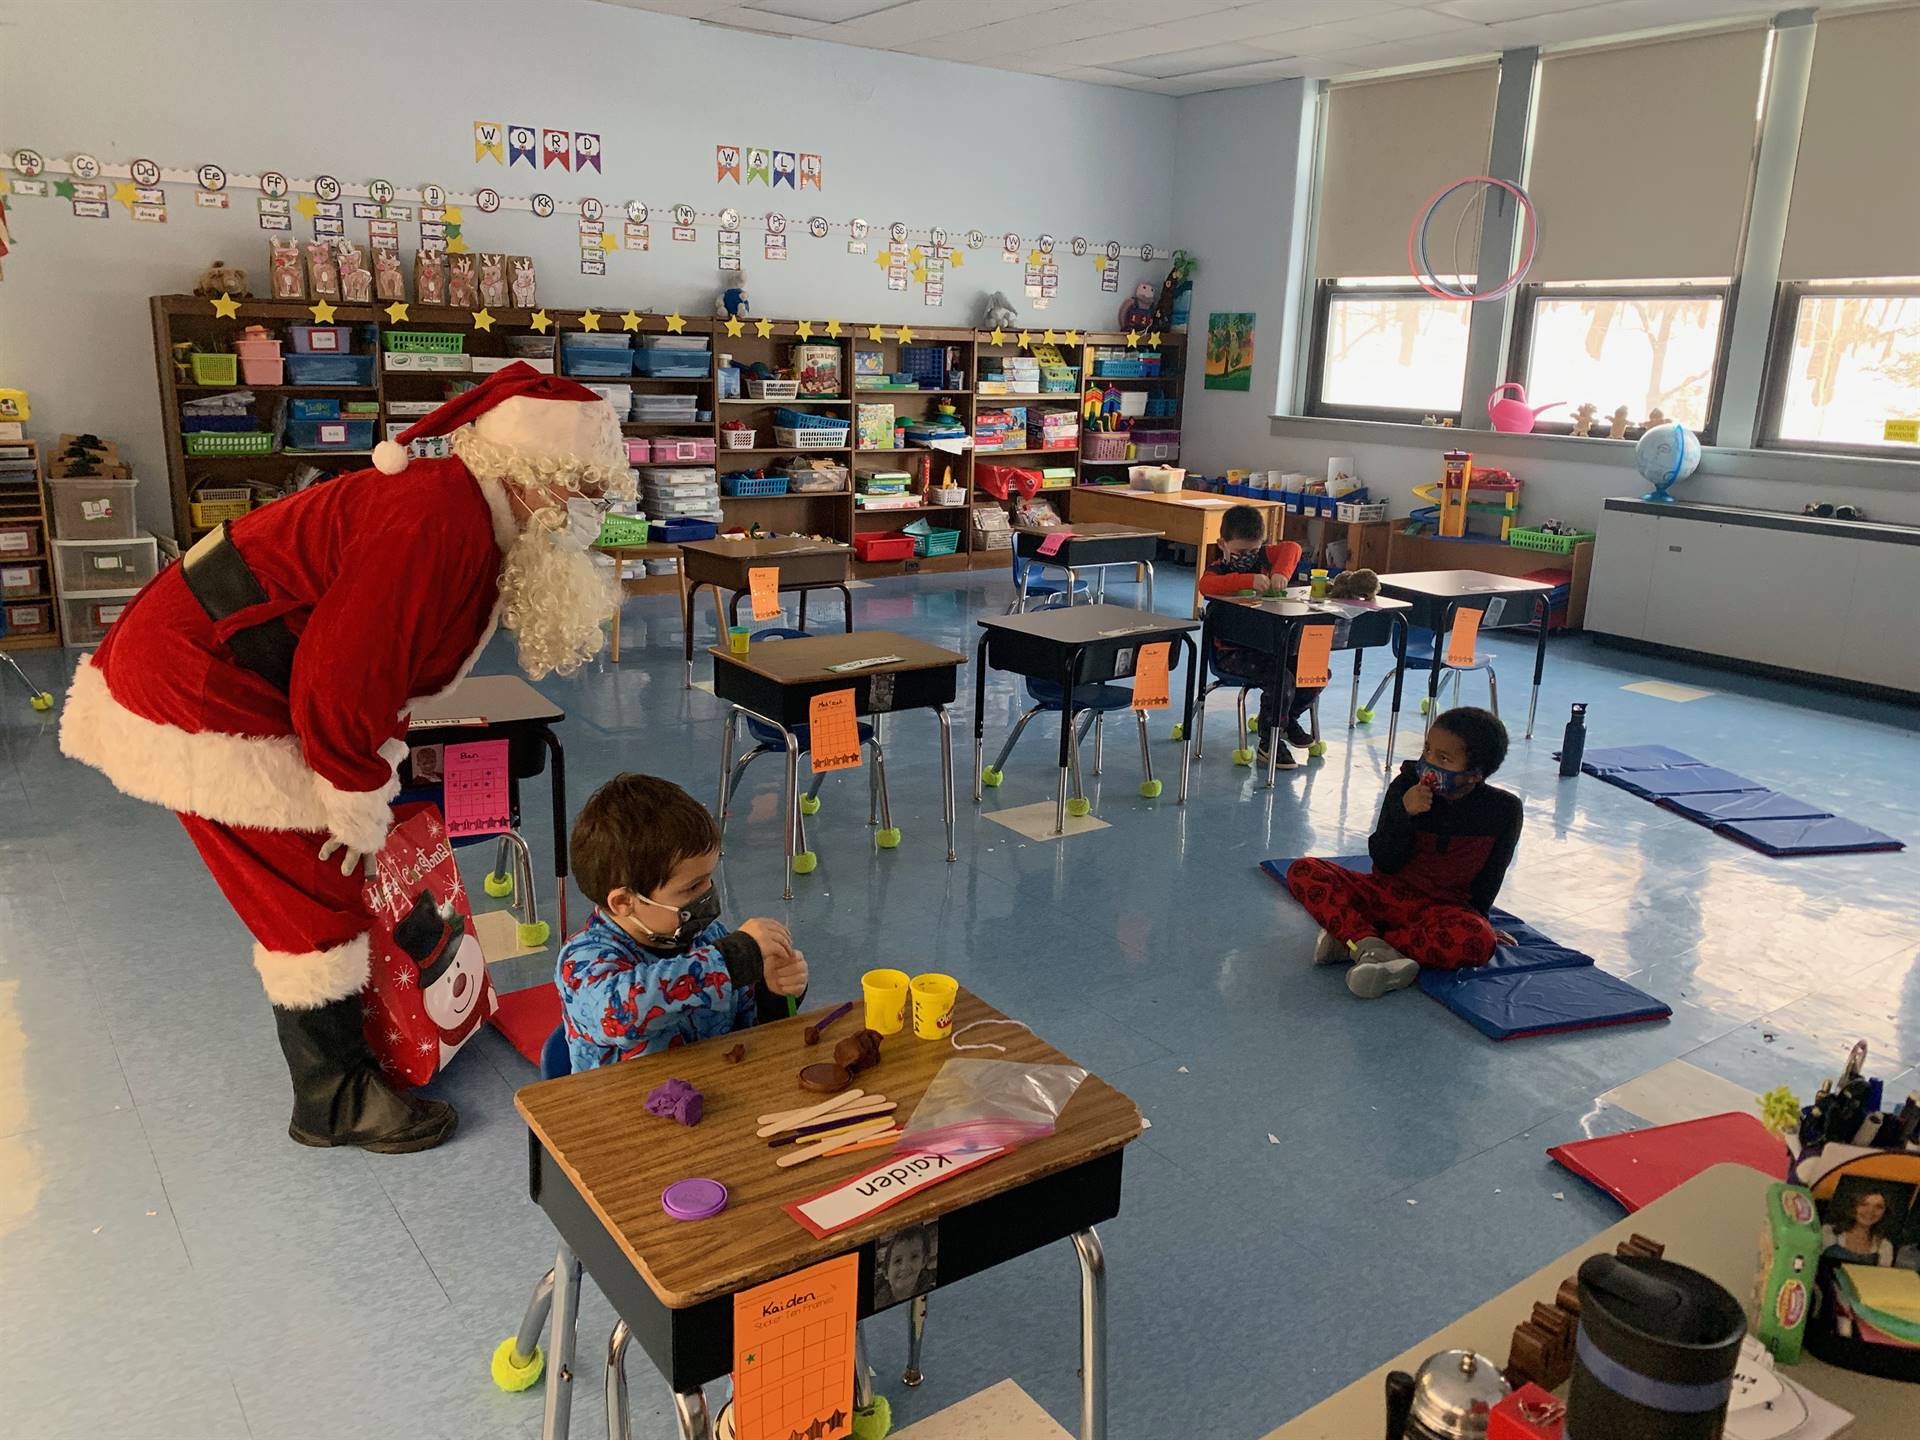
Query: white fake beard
x=555 y=600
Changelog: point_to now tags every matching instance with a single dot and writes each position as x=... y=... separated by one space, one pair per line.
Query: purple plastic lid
x=693 y=1199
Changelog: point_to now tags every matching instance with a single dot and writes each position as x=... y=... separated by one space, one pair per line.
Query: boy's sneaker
x=1378 y=969
x=1285 y=762
x=1327 y=950
x=1298 y=734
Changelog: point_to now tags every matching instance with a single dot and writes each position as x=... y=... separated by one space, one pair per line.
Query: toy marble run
x=1449 y=500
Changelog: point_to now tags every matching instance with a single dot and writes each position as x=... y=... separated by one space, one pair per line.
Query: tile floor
x=172 y=1266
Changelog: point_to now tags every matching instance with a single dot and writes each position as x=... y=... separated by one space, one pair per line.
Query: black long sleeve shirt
x=1458 y=852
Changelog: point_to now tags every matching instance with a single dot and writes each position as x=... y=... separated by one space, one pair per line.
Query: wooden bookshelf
x=23 y=505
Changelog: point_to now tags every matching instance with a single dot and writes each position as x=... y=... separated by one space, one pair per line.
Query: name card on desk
x=888 y=1183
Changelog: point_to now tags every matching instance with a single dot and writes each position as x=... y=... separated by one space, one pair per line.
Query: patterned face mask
x=1245 y=562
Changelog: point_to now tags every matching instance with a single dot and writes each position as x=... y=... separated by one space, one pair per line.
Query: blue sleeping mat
x=1739 y=808
x=1532 y=987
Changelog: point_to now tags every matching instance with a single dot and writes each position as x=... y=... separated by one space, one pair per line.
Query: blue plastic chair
x=555 y=1061
x=1421 y=650
x=1093 y=703
x=1027 y=586
x=769 y=738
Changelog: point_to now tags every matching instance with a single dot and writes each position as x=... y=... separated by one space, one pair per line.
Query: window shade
x=1390 y=144
x=1642 y=158
x=1856 y=208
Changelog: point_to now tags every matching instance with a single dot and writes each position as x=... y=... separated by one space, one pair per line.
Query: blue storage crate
x=1119 y=369
x=204 y=424
x=595 y=340
x=672 y=364
x=680 y=530
x=329 y=369
x=330 y=434
x=595 y=363
x=807 y=420
x=742 y=486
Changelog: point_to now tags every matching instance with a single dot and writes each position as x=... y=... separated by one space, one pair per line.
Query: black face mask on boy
x=691 y=921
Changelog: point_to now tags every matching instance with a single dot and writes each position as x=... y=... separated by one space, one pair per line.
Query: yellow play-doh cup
x=886 y=995
x=933 y=997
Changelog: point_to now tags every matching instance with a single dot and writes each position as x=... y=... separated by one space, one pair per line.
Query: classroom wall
x=391 y=90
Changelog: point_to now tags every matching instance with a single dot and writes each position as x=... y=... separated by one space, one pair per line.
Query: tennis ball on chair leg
x=1179 y=731
x=534 y=936
x=1150 y=789
x=42 y=702
x=1078 y=805
x=1243 y=757
x=875 y=1422
x=887 y=839
x=1317 y=749
x=991 y=777
x=498 y=886
x=1363 y=714
x=809 y=804
x=805 y=862
x=511 y=1377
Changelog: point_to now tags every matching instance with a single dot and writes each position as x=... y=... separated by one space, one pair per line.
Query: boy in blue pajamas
x=655 y=967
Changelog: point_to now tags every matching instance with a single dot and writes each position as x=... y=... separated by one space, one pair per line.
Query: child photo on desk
x=905 y=1265
x=655 y=966
x=1248 y=562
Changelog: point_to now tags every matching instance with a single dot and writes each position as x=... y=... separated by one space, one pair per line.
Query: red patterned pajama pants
x=1352 y=906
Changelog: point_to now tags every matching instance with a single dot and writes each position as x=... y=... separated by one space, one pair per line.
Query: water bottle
x=1573 y=744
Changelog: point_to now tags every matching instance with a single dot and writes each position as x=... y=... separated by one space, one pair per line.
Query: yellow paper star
x=919 y=274
x=803 y=329
x=541 y=321
x=676 y=324
x=396 y=312
x=322 y=312
x=607 y=243
x=1133 y=339
x=226 y=307
x=833 y=329
x=457 y=245
x=736 y=327
x=916 y=254
x=1025 y=339
x=1034 y=257
x=1048 y=338
x=589 y=320
x=483 y=319
x=125 y=192
x=997 y=336
x=629 y=321
x=453 y=216
x=883 y=259
x=1073 y=337
x=5 y=188
x=956 y=259
x=307 y=206
x=1153 y=338
x=763 y=328
x=906 y=334
x=876 y=334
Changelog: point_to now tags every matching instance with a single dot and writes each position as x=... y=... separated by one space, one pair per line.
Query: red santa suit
x=390 y=584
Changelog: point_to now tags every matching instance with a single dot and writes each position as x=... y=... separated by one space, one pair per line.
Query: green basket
x=1521 y=539
x=623 y=530
x=425 y=342
x=228 y=442
x=210 y=368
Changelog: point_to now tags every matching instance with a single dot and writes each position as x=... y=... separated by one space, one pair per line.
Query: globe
x=1666 y=455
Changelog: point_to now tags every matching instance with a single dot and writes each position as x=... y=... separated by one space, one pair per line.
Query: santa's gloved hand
x=350 y=859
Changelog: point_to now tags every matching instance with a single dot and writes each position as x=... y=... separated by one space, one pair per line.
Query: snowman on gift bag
x=454 y=990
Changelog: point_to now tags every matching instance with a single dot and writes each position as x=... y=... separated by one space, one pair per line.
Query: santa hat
x=540 y=415
x=430 y=935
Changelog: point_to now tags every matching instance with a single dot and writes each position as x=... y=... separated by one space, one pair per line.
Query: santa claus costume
x=260 y=689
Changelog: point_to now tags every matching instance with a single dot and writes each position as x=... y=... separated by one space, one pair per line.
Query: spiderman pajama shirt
x=1435 y=877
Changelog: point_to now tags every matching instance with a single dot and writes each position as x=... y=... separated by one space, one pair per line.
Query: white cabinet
x=1622 y=571
x=1881 y=642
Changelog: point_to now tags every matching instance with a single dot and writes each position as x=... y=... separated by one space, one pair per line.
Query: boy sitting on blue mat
x=656 y=967
x=1440 y=850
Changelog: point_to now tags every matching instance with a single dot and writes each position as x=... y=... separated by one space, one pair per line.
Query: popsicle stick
x=818 y=1148
x=800 y=1117
x=816 y=1115
x=885 y=1137
x=837 y=1121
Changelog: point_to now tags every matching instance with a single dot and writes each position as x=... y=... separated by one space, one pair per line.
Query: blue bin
x=329 y=369
x=680 y=530
x=595 y=363
x=330 y=434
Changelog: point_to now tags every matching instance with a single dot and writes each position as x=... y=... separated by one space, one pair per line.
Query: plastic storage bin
x=33 y=619
x=1562 y=544
x=814 y=437
x=424 y=342
x=87 y=507
x=29 y=577
x=679 y=530
x=817 y=479
x=329 y=369
x=1105 y=445
x=325 y=339
x=263 y=369
x=773 y=389
x=18 y=541
x=346 y=433
x=212 y=504
x=883 y=545
x=1152 y=444
x=215 y=369
x=85 y=618
x=639 y=450
x=85 y=565
x=682 y=449
x=744 y=486
x=258 y=442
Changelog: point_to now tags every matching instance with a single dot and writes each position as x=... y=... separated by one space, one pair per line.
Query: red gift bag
x=429 y=990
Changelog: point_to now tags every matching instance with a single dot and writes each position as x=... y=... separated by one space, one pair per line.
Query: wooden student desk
x=1186 y=517
x=1711 y=1223
x=599 y=1163
x=1072 y=646
x=1436 y=594
x=1088 y=547
x=775 y=681
x=804 y=565
x=1272 y=627
x=506 y=707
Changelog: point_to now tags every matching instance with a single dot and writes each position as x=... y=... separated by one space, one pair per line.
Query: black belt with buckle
x=221 y=580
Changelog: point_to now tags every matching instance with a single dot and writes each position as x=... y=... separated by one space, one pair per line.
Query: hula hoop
x=1422 y=268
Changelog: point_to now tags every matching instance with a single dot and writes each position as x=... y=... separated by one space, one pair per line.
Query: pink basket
x=639 y=450
x=678 y=449
x=1106 y=445
x=262 y=369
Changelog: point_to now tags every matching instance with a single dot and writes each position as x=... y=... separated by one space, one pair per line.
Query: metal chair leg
x=566 y=1319
x=916 y=1337
x=862 y=1372
x=1099 y=732
x=1006 y=750
x=880 y=783
x=1093 y=1335
x=502 y=857
x=619 y=1410
x=794 y=832
x=526 y=899
x=1493 y=692
x=1146 y=755
x=692 y=1411
x=1199 y=736
x=726 y=774
x=1378 y=691
x=1073 y=764
x=526 y=1340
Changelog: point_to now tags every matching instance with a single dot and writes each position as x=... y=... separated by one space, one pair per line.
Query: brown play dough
x=857 y=1052
x=825 y=1079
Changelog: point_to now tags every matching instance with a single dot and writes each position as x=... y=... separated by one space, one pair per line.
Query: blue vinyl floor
x=1325 y=1180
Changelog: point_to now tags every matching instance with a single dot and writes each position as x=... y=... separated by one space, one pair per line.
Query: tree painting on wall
x=1230 y=350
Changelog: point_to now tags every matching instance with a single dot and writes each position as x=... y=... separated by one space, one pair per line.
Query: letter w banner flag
x=427 y=992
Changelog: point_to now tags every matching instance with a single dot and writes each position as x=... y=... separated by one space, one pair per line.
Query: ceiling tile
x=691 y=9
x=1492 y=12
x=1245 y=23
x=1373 y=27
x=920 y=20
x=825 y=12
x=739 y=17
x=1168 y=65
x=1097 y=75
x=1298 y=14
x=1104 y=49
x=1395 y=53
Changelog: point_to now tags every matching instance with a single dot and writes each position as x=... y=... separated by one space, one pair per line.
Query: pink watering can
x=1512 y=413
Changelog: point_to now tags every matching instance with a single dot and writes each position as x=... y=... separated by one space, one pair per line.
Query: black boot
x=339 y=1095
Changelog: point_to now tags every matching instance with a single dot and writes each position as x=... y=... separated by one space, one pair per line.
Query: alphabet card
x=793 y=1354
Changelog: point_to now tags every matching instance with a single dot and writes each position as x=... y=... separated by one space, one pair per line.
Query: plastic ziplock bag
x=977 y=1105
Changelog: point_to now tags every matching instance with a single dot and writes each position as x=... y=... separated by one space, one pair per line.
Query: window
x=1647 y=347
x=1387 y=351
x=1845 y=362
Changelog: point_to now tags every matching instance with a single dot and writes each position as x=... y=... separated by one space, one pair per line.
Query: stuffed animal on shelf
x=731 y=302
x=220 y=278
x=1136 y=312
x=1584 y=417
x=997 y=313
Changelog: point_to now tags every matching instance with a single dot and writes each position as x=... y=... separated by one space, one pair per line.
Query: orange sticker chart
x=833 y=732
x=1466 y=625
x=763 y=584
x=1313 y=665
x=1150 y=676
x=793 y=1354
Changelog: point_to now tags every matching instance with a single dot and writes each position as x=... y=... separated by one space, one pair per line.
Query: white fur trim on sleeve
x=359 y=819
x=313 y=978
